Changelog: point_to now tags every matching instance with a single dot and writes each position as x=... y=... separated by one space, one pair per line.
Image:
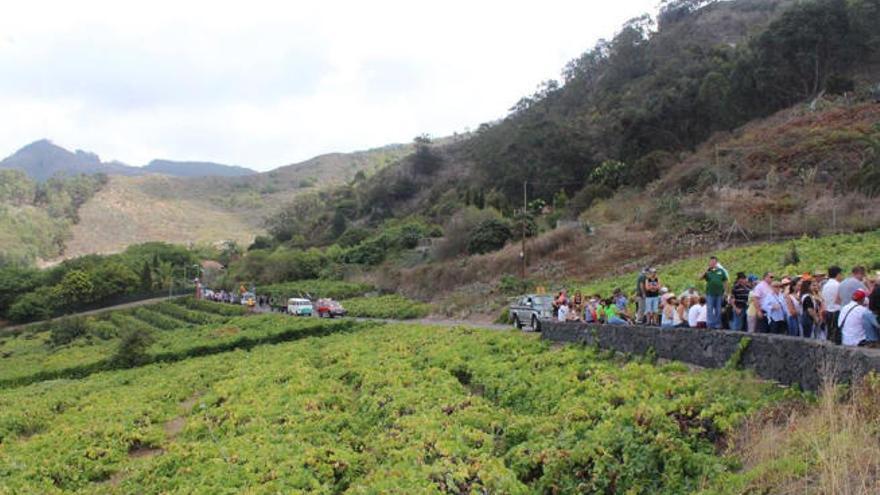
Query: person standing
x=739 y=301
x=640 y=294
x=855 y=282
x=870 y=321
x=810 y=315
x=652 y=297
x=716 y=287
x=562 y=313
x=761 y=292
x=850 y=323
x=773 y=307
x=831 y=296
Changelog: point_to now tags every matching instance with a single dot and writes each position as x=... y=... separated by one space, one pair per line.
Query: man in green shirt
x=716 y=287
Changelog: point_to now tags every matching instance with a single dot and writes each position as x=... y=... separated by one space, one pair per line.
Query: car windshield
x=542 y=301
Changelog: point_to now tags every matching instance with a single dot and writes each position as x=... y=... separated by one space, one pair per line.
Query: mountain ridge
x=43 y=159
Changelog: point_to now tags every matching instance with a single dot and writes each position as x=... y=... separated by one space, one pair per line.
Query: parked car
x=328 y=308
x=299 y=307
x=531 y=309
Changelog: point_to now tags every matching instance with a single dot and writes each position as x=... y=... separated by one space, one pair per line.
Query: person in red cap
x=851 y=315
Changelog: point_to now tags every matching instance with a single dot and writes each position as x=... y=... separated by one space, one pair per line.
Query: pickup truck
x=531 y=309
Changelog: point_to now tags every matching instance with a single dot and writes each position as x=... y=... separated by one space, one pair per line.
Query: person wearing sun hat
x=850 y=323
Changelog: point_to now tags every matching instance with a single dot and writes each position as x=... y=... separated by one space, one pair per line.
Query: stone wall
x=787 y=360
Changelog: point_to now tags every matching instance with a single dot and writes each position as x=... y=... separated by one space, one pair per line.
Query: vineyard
x=343 y=407
x=76 y=347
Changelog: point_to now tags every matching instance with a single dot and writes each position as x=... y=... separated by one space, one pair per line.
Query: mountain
x=196 y=169
x=42 y=159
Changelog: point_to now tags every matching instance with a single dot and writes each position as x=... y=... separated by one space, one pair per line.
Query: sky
x=269 y=83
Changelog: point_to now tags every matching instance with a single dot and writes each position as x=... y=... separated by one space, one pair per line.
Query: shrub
x=132 y=349
x=792 y=257
x=488 y=236
x=66 y=330
x=512 y=286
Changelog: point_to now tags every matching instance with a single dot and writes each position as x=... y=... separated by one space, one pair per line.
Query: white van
x=299 y=307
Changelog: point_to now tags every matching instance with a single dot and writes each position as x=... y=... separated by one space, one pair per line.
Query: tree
x=425 y=160
x=339 y=224
x=76 y=288
x=489 y=235
x=113 y=278
x=798 y=52
x=165 y=275
x=146 y=283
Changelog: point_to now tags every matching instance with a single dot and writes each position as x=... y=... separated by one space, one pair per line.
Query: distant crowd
x=821 y=305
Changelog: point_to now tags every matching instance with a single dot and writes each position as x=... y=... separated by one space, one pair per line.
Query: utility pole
x=522 y=254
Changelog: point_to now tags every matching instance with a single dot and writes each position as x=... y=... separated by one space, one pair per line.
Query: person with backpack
x=739 y=301
x=652 y=298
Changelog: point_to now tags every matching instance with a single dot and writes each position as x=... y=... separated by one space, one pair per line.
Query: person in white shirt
x=562 y=316
x=762 y=290
x=698 y=314
x=850 y=323
x=830 y=293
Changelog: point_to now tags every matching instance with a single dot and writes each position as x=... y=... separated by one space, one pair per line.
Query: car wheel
x=536 y=325
x=516 y=324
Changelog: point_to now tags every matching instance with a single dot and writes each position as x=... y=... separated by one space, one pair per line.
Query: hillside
x=688 y=137
x=195 y=169
x=207 y=210
x=122 y=214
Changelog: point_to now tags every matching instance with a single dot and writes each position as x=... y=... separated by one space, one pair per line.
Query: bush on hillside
x=488 y=236
x=132 y=349
x=66 y=330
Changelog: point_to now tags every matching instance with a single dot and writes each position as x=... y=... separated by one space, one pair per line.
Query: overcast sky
x=264 y=84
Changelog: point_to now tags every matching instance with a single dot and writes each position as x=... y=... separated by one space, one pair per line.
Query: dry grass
x=830 y=447
x=122 y=214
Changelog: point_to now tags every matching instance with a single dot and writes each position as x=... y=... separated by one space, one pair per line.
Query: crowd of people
x=821 y=305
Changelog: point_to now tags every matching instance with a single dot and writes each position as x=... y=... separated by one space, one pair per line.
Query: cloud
x=268 y=83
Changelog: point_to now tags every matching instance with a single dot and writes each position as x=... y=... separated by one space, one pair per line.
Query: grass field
x=814 y=254
x=386 y=409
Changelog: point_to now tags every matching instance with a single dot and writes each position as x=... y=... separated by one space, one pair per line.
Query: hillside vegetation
x=713 y=125
x=36 y=218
